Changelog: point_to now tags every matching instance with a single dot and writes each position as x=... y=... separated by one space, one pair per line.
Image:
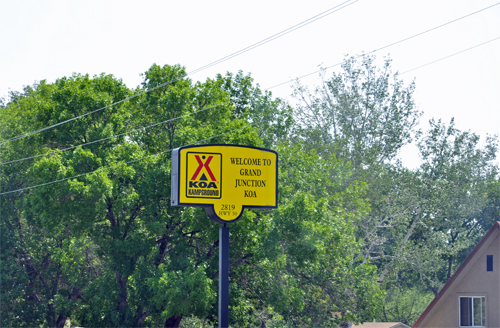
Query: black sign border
x=209 y=208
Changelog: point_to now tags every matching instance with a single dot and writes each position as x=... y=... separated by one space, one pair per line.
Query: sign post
x=223 y=276
x=224 y=179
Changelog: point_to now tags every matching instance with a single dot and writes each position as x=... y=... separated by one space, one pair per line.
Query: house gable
x=470 y=280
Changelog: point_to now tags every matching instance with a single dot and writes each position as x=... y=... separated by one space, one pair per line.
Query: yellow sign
x=224 y=179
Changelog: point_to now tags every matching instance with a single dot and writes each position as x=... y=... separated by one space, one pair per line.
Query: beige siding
x=474 y=280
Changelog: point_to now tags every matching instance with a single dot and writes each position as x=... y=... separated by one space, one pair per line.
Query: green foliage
x=436 y=210
x=311 y=273
x=404 y=305
x=272 y=117
x=491 y=212
x=320 y=278
x=105 y=248
x=364 y=114
x=193 y=288
x=424 y=222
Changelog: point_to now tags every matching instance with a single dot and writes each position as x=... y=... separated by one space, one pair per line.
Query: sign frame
x=177 y=161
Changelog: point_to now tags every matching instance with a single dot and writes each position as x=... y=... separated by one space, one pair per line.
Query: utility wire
x=269 y=39
x=195 y=142
x=115 y=136
x=173 y=119
x=386 y=46
x=273 y=37
x=253 y=46
x=118 y=164
x=456 y=53
x=280 y=34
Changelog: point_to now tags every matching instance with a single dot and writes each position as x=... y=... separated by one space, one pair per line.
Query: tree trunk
x=141 y=319
x=173 y=321
x=122 y=284
x=61 y=320
x=405 y=239
x=450 y=263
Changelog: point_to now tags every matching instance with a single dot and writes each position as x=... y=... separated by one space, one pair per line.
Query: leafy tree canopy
x=98 y=243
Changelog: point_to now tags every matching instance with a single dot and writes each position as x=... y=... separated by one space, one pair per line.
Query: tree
x=422 y=222
x=119 y=208
x=273 y=118
x=35 y=255
x=364 y=114
x=310 y=248
x=448 y=197
x=491 y=212
x=404 y=304
x=103 y=247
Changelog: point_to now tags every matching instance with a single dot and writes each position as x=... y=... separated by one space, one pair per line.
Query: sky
x=47 y=40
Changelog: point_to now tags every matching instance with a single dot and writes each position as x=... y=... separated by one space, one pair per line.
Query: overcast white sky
x=51 y=39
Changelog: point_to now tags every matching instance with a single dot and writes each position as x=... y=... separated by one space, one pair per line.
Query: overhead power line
x=289 y=81
x=111 y=137
x=237 y=53
x=280 y=34
x=155 y=124
x=387 y=46
x=234 y=130
x=211 y=107
x=446 y=57
x=126 y=163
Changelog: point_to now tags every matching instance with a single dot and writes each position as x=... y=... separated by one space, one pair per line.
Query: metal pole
x=223 y=276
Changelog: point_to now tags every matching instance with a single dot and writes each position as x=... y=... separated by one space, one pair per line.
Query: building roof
x=493 y=229
x=381 y=325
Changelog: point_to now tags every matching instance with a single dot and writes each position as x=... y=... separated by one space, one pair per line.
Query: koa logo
x=204 y=175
